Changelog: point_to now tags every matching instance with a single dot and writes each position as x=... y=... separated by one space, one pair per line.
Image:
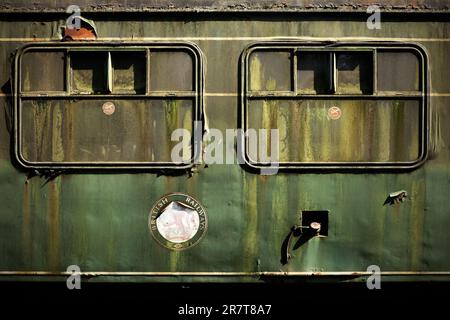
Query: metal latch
x=313 y=224
x=396 y=197
x=305 y=232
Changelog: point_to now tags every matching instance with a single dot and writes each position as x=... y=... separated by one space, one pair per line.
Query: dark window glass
x=129 y=71
x=354 y=72
x=89 y=72
x=314 y=72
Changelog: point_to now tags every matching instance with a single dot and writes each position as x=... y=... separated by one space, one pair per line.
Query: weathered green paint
x=99 y=221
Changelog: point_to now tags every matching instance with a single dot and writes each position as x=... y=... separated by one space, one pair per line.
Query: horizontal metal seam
x=225 y=274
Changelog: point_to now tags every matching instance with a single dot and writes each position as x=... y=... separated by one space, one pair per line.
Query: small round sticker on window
x=108 y=108
x=177 y=221
x=334 y=113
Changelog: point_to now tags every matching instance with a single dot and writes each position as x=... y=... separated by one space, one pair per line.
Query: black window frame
x=247 y=95
x=196 y=96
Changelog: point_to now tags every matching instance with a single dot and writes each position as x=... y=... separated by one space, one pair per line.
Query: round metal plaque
x=178 y=221
x=334 y=113
x=108 y=108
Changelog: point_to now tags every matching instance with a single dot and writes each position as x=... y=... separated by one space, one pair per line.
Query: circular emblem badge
x=108 y=108
x=334 y=113
x=177 y=221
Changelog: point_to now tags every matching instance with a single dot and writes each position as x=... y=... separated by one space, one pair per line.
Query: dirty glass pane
x=129 y=69
x=89 y=71
x=354 y=72
x=171 y=71
x=314 y=70
x=43 y=71
x=90 y=131
x=340 y=130
x=398 y=71
x=270 y=71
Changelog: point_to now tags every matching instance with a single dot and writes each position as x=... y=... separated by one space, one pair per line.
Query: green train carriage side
x=87 y=175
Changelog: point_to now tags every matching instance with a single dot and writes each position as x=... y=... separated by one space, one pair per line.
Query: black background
x=288 y=300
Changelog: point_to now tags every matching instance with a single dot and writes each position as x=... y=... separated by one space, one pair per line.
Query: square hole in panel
x=314 y=72
x=171 y=71
x=129 y=71
x=270 y=71
x=354 y=72
x=321 y=217
x=43 y=71
x=398 y=71
x=89 y=71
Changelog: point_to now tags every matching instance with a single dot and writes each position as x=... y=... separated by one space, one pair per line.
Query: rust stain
x=53 y=216
x=417 y=223
x=26 y=223
x=436 y=141
x=79 y=34
x=250 y=243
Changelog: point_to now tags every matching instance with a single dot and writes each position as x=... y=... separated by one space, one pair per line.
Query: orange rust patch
x=79 y=34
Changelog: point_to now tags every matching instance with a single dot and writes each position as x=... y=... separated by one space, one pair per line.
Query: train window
x=89 y=72
x=354 y=72
x=129 y=71
x=314 y=72
x=398 y=71
x=270 y=71
x=103 y=108
x=171 y=70
x=341 y=112
x=43 y=70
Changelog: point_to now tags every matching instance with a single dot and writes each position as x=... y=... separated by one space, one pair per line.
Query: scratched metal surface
x=99 y=221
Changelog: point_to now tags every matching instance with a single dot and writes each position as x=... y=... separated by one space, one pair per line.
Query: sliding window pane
x=270 y=71
x=398 y=71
